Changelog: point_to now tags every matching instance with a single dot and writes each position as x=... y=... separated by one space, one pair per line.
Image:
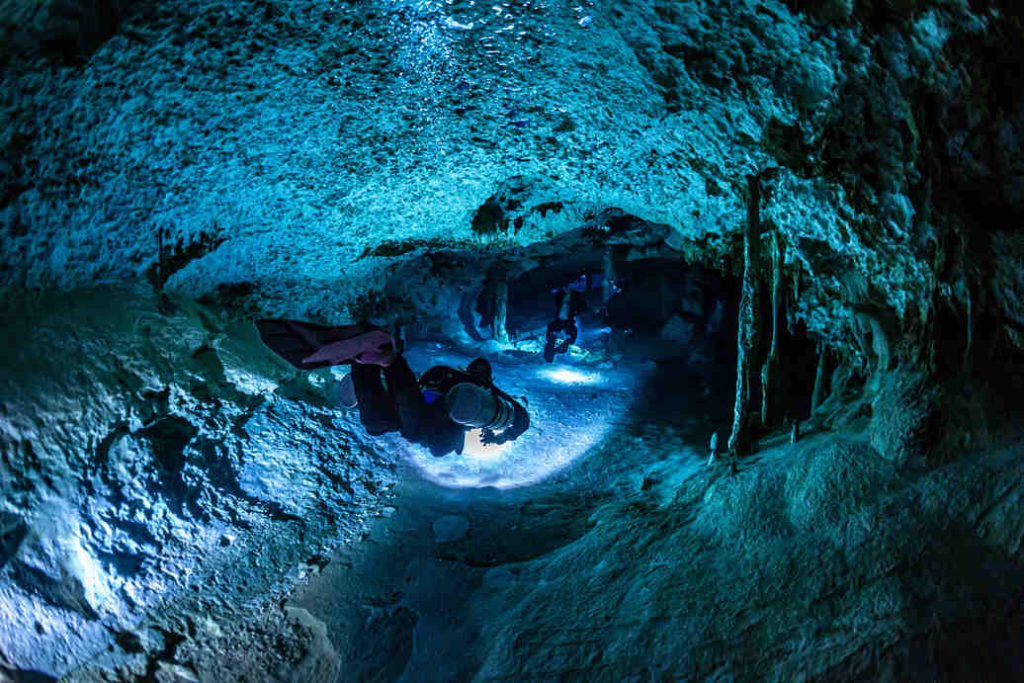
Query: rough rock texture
x=257 y=147
x=147 y=449
x=826 y=560
x=823 y=563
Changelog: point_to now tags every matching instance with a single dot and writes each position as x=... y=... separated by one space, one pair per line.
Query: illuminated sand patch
x=572 y=409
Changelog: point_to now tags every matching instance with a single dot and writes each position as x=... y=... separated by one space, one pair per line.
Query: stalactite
x=927 y=343
x=792 y=306
x=818 y=395
x=608 y=281
x=796 y=281
x=881 y=344
x=740 y=438
x=965 y=286
x=501 y=306
x=857 y=326
x=770 y=368
x=969 y=346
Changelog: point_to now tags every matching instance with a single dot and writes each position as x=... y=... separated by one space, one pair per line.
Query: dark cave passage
x=630 y=298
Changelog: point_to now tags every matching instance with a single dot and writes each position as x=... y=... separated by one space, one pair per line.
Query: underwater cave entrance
x=681 y=316
x=649 y=308
x=636 y=300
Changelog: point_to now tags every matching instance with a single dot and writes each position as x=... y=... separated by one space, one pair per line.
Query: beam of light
x=484 y=452
x=82 y=566
x=563 y=375
x=571 y=413
x=560 y=433
x=540 y=453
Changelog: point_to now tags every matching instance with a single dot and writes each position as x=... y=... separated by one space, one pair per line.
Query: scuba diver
x=436 y=411
x=562 y=331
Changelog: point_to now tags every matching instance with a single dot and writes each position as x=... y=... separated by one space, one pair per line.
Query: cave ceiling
x=268 y=149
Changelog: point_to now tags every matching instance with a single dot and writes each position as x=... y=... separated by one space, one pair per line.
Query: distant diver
x=435 y=412
x=562 y=332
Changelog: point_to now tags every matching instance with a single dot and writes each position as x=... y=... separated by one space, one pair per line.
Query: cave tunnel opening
x=679 y=316
x=627 y=409
x=648 y=319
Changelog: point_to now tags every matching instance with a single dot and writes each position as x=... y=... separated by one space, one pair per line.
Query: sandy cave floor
x=397 y=606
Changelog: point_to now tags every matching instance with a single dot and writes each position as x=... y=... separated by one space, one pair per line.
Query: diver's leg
x=407 y=397
x=561 y=304
x=308 y=346
x=426 y=424
x=377 y=409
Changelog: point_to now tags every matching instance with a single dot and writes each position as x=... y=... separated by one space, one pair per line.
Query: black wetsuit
x=562 y=332
x=417 y=409
x=401 y=407
x=439 y=379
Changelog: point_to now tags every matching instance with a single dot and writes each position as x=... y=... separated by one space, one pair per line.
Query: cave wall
x=825 y=561
x=150 y=447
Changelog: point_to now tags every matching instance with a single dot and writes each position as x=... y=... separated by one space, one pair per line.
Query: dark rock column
x=608 y=281
x=820 y=379
x=500 y=291
x=746 y=357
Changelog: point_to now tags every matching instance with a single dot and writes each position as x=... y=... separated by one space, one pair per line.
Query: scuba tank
x=476 y=407
x=471 y=400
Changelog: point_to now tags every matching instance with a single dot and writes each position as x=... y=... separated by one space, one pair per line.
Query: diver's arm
x=520 y=423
